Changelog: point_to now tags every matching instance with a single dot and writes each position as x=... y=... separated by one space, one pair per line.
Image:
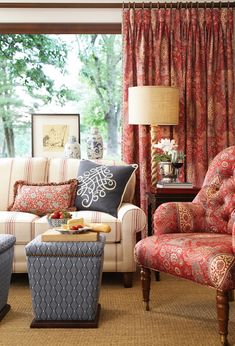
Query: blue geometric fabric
x=7 y=242
x=65 y=278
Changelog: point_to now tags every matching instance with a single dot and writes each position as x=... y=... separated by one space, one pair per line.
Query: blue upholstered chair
x=7 y=242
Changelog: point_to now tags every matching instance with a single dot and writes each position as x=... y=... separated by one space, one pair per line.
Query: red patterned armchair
x=196 y=241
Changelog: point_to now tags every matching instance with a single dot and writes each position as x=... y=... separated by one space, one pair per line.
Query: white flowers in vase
x=166 y=147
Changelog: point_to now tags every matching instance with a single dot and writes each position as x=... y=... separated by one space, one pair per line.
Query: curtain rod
x=119 y=5
x=180 y=5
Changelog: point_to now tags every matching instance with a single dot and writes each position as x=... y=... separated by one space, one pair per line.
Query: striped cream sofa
x=118 y=256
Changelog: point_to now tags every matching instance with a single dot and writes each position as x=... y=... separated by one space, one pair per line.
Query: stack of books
x=175 y=185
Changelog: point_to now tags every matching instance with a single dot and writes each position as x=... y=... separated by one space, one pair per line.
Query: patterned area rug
x=182 y=313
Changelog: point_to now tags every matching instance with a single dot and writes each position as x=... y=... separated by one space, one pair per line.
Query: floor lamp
x=153 y=105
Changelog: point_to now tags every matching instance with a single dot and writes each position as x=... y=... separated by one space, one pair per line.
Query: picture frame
x=50 y=132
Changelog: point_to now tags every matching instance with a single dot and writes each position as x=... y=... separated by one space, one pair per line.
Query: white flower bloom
x=166 y=145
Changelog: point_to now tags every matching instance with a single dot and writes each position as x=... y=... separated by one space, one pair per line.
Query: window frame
x=60 y=28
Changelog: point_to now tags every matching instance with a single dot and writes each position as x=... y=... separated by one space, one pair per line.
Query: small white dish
x=71 y=231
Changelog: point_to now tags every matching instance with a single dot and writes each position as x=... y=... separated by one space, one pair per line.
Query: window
x=62 y=73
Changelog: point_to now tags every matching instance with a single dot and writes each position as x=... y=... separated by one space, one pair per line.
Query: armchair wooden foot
x=224 y=340
x=145 y=275
x=127 y=280
x=222 y=303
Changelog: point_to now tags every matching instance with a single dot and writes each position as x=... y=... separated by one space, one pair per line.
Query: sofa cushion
x=44 y=198
x=21 y=225
x=41 y=224
x=13 y=169
x=102 y=187
x=61 y=169
x=205 y=258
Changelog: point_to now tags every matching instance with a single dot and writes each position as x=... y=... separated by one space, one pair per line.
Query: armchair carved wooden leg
x=145 y=275
x=222 y=301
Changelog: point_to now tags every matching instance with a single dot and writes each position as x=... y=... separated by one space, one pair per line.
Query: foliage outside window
x=59 y=73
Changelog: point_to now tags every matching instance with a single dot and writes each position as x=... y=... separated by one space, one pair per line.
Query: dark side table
x=157 y=196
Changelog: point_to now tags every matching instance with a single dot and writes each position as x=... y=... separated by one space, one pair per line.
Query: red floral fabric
x=233 y=231
x=196 y=240
x=217 y=196
x=41 y=199
x=182 y=217
x=192 y=49
x=212 y=208
x=205 y=258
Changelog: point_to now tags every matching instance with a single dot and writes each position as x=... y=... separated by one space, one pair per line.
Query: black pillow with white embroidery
x=101 y=187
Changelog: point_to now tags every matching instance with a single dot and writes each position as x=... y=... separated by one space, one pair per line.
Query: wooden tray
x=53 y=235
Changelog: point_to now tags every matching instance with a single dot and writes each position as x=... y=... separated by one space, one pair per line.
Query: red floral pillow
x=44 y=198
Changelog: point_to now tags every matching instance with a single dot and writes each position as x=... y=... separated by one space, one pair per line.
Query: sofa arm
x=132 y=218
x=177 y=217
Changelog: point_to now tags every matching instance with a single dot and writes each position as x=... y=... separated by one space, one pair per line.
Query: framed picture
x=50 y=132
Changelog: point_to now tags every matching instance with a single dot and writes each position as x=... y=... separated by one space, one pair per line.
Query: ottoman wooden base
x=67 y=324
x=4 y=311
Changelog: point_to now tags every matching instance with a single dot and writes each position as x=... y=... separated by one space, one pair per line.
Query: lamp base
x=154 y=166
x=167 y=172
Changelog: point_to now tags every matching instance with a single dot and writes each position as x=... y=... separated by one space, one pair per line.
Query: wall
x=45 y=15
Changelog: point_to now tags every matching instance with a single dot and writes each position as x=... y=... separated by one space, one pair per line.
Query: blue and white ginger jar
x=72 y=148
x=94 y=145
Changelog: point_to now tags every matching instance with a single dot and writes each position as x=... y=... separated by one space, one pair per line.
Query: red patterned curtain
x=192 y=49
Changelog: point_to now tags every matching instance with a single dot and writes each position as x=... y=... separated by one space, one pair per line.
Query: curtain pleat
x=191 y=49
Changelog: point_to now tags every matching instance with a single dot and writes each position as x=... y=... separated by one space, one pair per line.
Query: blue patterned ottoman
x=65 y=280
x=7 y=242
